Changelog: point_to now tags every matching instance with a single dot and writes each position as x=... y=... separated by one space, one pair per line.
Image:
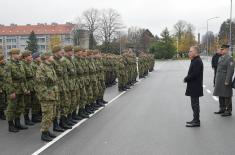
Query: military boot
x=63 y=124
x=2 y=115
x=75 y=116
x=105 y=102
x=71 y=119
x=45 y=137
x=12 y=128
x=36 y=118
x=18 y=125
x=100 y=103
x=87 y=109
x=50 y=134
x=27 y=120
x=82 y=113
x=56 y=126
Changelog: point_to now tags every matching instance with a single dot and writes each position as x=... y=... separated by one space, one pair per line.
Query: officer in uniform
x=223 y=82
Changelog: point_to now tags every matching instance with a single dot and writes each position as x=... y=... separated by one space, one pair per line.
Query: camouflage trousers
x=64 y=103
x=122 y=79
x=15 y=107
x=83 y=96
x=27 y=103
x=3 y=102
x=95 y=87
x=36 y=107
x=48 y=114
x=73 y=100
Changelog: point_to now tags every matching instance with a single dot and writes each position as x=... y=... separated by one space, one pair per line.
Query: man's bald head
x=193 y=52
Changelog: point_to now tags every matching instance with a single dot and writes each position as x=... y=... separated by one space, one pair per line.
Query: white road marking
x=204 y=86
x=215 y=98
x=208 y=91
x=43 y=148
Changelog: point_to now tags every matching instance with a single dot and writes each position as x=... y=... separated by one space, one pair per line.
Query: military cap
x=45 y=55
x=14 y=51
x=56 y=49
x=77 y=49
x=225 y=46
x=26 y=53
x=36 y=55
x=1 y=57
x=68 y=48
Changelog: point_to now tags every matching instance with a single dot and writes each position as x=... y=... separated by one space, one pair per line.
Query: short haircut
x=196 y=48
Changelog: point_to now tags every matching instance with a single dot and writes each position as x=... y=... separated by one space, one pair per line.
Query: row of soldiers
x=60 y=87
x=146 y=64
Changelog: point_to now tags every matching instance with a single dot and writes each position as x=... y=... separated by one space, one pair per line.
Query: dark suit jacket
x=194 y=79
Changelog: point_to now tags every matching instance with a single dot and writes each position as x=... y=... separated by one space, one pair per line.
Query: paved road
x=149 y=119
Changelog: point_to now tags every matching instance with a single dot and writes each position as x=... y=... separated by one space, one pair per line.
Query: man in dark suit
x=194 y=81
x=214 y=62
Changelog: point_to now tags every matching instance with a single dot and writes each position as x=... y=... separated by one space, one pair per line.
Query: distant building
x=16 y=36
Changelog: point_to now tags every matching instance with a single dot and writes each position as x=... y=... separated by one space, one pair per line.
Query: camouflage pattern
x=3 y=95
x=48 y=93
x=16 y=83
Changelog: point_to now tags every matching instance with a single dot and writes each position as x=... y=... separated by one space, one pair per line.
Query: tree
x=212 y=41
x=164 y=47
x=55 y=41
x=184 y=34
x=225 y=31
x=32 y=43
x=91 y=19
x=109 y=26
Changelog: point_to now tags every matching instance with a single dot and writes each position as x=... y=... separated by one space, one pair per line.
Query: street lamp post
x=230 y=27
x=207 y=36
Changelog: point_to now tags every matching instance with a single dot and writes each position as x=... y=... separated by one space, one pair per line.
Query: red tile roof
x=15 y=30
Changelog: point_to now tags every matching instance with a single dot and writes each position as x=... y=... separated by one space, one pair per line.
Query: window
x=13 y=46
x=11 y=40
x=0 y=40
x=41 y=40
x=8 y=47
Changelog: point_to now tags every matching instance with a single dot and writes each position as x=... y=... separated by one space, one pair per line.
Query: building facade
x=16 y=36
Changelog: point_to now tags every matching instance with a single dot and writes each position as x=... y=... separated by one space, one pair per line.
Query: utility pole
x=230 y=27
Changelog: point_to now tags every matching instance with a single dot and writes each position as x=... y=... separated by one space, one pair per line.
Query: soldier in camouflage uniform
x=99 y=63
x=80 y=80
x=71 y=82
x=36 y=107
x=48 y=94
x=26 y=63
x=63 y=105
x=16 y=88
x=122 y=74
x=3 y=96
x=85 y=87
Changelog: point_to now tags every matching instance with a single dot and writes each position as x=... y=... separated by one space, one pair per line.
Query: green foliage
x=163 y=48
x=32 y=44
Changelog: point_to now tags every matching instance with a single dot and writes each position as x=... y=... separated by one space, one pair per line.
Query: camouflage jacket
x=15 y=77
x=70 y=67
x=46 y=83
x=29 y=75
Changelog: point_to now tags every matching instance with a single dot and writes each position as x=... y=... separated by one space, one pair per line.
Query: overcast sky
x=152 y=14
